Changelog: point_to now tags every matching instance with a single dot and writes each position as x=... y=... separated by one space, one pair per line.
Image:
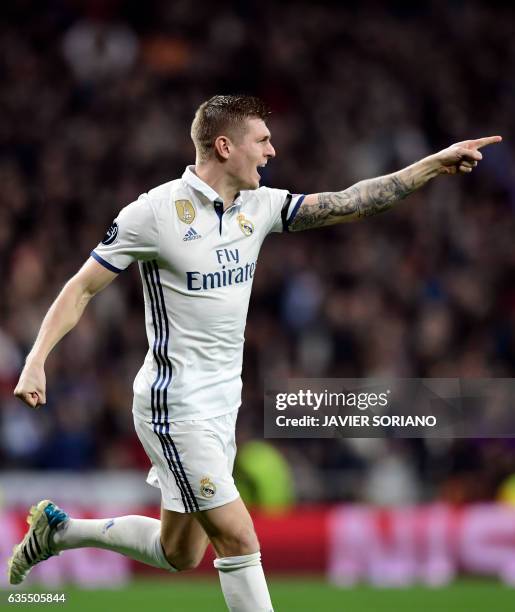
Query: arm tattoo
x=363 y=199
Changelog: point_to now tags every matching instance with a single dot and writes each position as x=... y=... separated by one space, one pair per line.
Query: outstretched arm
x=376 y=195
x=62 y=316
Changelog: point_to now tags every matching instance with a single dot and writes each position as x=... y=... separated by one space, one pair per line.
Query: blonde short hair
x=223 y=115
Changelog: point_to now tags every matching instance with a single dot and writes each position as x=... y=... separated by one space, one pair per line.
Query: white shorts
x=192 y=461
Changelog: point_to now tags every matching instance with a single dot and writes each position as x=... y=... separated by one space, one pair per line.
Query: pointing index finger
x=483 y=142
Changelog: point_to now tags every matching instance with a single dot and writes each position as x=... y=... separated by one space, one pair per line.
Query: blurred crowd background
x=96 y=104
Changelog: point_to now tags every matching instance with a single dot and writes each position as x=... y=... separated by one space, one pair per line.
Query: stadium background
x=96 y=102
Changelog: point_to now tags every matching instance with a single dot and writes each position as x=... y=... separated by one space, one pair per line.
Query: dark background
x=96 y=102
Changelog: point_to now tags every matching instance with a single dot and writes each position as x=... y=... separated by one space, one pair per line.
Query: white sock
x=137 y=537
x=243 y=583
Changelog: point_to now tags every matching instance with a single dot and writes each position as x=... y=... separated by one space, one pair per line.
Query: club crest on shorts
x=207 y=488
x=111 y=234
x=185 y=211
x=246 y=226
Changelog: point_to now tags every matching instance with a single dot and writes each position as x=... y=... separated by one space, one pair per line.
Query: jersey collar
x=191 y=179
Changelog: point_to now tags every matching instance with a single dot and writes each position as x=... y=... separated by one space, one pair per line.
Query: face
x=250 y=152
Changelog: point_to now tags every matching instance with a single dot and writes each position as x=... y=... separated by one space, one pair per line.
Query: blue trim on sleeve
x=105 y=263
x=284 y=211
x=294 y=212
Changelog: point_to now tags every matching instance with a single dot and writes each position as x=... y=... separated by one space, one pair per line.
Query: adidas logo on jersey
x=191 y=234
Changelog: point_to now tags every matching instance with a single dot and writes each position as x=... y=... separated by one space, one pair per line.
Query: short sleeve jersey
x=197 y=264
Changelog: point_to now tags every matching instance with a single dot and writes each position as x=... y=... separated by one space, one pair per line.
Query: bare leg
x=183 y=539
x=232 y=534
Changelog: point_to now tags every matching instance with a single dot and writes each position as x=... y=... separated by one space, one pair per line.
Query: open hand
x=463 y=156
x=31 y=387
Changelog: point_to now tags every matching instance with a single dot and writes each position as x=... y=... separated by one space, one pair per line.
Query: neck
x=214 y=176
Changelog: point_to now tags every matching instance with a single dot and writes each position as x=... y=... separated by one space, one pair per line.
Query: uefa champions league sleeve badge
x=111 y=234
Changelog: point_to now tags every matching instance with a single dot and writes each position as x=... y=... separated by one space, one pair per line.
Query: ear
x=223 y=146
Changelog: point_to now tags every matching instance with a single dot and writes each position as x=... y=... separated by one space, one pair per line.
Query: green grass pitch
x=289 y=595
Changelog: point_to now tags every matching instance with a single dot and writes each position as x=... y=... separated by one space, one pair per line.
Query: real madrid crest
x=246 y=226
x=185 y=211
x=207 y=488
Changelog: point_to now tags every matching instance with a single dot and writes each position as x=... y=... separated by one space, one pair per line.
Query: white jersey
x=197 y=263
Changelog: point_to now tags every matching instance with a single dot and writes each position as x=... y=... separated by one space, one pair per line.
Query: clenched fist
x=31 y=387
